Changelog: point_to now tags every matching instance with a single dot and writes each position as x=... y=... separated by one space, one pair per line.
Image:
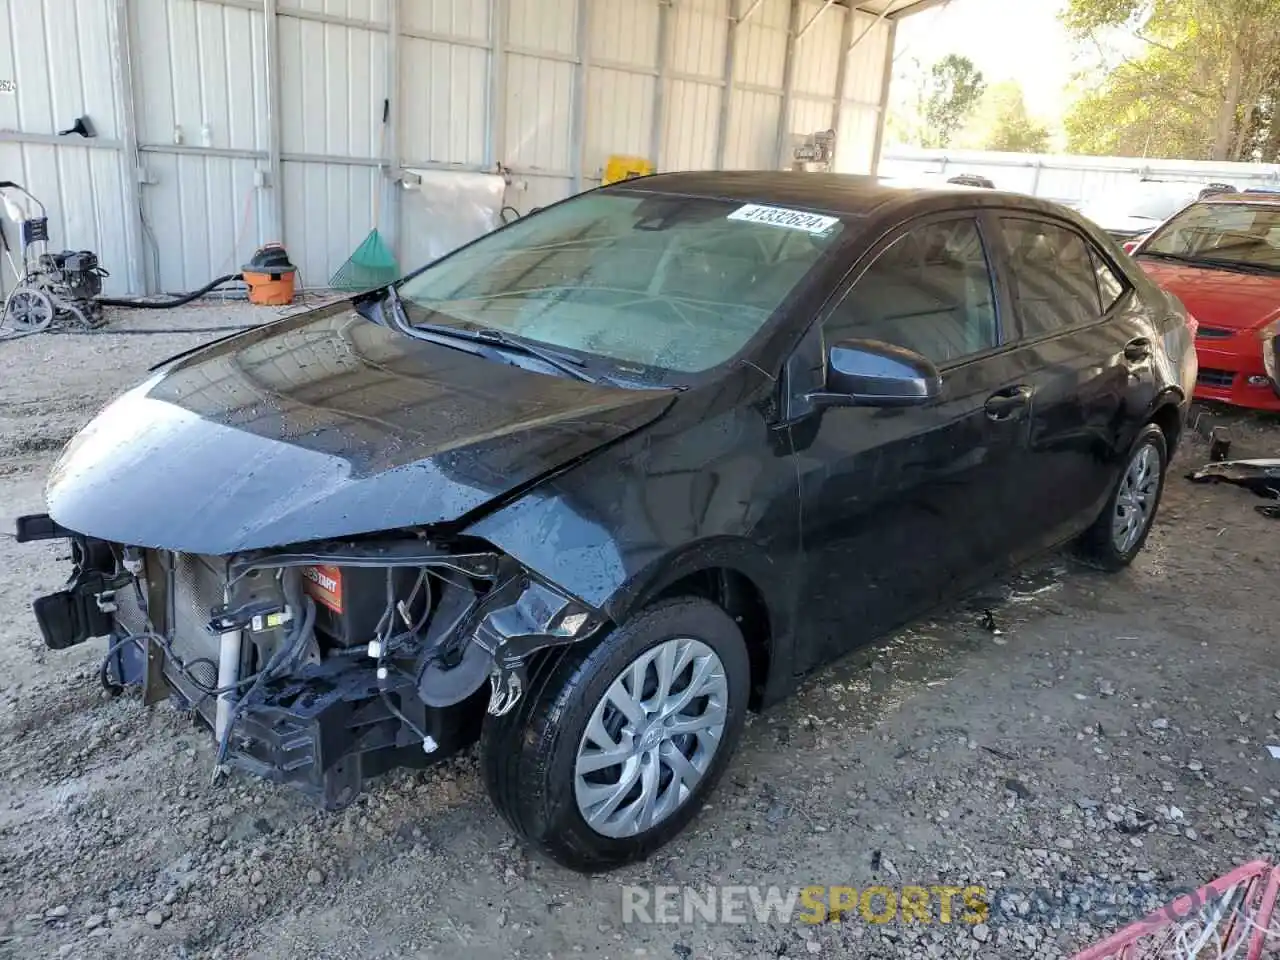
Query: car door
x=1083 y=347
x=902 y=506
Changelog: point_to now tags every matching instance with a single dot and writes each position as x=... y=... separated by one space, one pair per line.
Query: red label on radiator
x=325 y=586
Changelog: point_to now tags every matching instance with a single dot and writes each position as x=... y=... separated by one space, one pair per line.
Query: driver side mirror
x=871 y=373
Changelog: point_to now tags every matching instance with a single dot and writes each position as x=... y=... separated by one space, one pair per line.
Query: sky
x=1019 y=40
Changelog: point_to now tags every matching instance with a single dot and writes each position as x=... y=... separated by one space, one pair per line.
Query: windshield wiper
x=1171 y=257
x=563 y=362
x=1239 y=266
x=1210 y=263
x=496 y=339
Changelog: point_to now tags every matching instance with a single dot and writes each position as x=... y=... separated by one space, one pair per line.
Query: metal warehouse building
x=222 y=124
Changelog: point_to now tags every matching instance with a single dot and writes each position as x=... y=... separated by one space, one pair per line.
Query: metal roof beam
x=814 y=19
x=919 y=6
x=871 y=26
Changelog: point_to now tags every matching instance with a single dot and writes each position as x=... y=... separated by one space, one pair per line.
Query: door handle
x=1007 y=403
x=1139 y=349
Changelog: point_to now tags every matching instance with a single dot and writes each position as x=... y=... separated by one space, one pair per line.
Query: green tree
x=1207 y=85
x=1139 y=112
x=1003 y=122
x=954 y=88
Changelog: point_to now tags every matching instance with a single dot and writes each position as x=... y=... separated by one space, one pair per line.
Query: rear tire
x=550 y=766
x=1121 y=530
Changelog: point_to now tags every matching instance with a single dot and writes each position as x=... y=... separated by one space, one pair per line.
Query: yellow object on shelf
x=619 y=167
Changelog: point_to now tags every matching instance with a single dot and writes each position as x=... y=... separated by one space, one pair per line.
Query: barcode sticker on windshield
x=789 y=219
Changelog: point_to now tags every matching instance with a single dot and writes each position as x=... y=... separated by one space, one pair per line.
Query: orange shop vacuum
x=270 y=276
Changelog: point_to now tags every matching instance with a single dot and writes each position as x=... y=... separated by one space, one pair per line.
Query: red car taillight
x=1131 y=245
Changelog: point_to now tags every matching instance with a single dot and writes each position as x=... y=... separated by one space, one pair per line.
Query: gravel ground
x=1101 y=751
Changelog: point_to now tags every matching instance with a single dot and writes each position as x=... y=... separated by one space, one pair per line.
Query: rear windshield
x=673 y=285
x=1232 y=234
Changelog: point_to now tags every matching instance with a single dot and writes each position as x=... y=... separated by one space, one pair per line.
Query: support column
x=578 y=146
x=890 y=43
x=496 y=145
x=788 y=90
x=736 y=19
x=274 y=178
x=842 y=75
x=658 y=130
x=138 y=282
x=390 y=185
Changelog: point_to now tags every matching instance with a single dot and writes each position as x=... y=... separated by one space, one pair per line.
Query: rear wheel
x=611 y=753
x=1120 y=532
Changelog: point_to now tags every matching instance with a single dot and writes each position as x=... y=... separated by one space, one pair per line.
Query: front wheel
x=1118 y=535
x=613 y=750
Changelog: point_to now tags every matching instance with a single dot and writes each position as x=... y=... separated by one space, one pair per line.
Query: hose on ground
x=175 y=302
x=150 y=331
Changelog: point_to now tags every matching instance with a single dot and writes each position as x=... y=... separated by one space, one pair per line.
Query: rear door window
x=930 y=291
x=1111 y=285
x=1053 y=275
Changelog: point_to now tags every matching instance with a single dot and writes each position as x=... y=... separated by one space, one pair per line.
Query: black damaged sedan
x=593 y=486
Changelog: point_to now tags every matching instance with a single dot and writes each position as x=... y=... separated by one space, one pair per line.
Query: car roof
x=1260 y=199
x=838 y=193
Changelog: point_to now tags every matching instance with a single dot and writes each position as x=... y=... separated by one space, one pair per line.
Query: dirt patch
x=1104 y=749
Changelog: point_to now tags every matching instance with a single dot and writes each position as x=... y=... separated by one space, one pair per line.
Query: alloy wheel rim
x=651 y=738
x=1136 y=500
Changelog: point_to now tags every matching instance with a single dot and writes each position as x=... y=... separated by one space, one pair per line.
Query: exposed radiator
x=198 y=588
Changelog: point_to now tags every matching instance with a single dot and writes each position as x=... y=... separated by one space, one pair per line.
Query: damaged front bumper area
x=319 y=666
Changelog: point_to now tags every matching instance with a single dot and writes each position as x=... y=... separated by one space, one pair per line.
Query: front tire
x=1120 y=532
x=613 y=749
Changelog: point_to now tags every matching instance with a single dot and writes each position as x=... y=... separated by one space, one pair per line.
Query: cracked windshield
x=661 y=283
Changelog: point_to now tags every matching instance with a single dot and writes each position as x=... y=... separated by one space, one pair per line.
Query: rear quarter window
x=1111 y=284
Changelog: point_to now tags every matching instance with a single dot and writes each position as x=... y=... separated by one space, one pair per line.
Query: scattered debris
x=1233 y=913
x=1018 y=788
x=1261 y=477
x=1219 y=444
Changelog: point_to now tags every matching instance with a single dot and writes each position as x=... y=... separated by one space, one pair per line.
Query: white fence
x=1067 y=179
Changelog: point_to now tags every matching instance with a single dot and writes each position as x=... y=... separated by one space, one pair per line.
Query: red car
x=1221 y=257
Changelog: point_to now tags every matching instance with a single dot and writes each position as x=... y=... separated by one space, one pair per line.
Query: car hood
x=325 y=425
x=1121 y=225
x=1218 y=298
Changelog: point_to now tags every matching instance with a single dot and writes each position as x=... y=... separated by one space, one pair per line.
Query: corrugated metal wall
x=59 y=56
x=256 y=120
x=199 y=86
